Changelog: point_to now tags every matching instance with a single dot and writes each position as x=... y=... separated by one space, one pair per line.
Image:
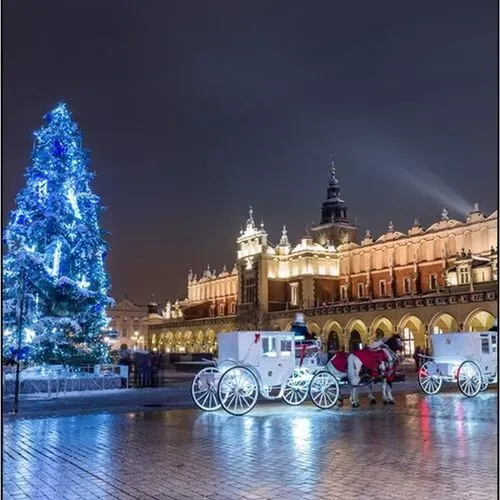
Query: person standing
x=417 y=358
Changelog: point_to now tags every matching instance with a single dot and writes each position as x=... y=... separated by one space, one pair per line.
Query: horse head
x=395 y=343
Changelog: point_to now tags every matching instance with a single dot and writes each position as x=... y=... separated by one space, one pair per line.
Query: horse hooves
x=373 y=401
x=355 y=405
x=392 y=403
x=386 y=403
x=340 y=402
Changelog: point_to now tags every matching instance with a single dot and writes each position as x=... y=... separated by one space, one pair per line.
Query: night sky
x=194 y=110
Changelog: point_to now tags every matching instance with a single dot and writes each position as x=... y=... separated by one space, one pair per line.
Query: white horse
x=366 y=367
x=374 y=365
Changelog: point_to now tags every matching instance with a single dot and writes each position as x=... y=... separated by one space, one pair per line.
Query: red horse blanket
x=372 y=360
x=339 y=361
x=376 y=362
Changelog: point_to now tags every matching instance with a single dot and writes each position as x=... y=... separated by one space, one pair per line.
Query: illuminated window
x=406 y=286
x=343 y=292
x=382 y=288
x=433 y=282
x=437 y=329
x=463 y=275
x=249 y=289
x=221 y=310
x=212 y=310
x=408 y=342
x=360 y=290
x=294 y=294
x=233 y=307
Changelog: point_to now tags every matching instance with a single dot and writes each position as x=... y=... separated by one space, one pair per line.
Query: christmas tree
x=55 y=287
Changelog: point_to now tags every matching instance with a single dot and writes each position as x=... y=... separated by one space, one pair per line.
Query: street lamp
x=136 y=335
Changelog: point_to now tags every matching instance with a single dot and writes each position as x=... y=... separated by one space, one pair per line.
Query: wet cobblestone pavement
x=439 y=447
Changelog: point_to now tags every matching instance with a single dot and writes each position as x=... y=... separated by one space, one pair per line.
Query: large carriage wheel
x=295 y=391
x=238 y=390
x=429 y=378
x=469 y=379
x=484 y=384
x=324 y=390
x=204 y=389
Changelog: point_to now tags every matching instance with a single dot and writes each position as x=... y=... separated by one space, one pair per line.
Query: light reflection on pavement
x=442 y=446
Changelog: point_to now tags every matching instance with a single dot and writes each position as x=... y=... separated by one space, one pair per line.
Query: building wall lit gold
x=416 y=282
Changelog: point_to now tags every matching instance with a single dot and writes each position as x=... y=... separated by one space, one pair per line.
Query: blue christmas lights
x=54 y=279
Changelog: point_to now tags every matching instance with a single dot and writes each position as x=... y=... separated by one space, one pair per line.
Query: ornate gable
x=127 y=305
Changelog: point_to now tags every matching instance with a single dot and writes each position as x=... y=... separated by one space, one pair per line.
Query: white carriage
x=468 y=359
x=268 y=364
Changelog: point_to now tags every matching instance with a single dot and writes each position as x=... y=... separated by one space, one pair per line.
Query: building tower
x=335 y=227
x=252 y=268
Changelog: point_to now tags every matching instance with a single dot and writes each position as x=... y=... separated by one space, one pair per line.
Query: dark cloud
x=194 y=110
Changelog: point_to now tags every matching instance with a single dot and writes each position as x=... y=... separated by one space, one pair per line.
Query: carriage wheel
x=324 y=390
x=469 y=379
x=429 y=379
x=238 y=390
x=484 y=384
x=204 y=389
x=295 y=391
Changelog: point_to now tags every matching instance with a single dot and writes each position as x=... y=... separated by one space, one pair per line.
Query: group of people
x=143 y=367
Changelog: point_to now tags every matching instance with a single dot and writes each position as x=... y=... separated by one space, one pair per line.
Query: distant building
x=128 y=325
x=420 y=281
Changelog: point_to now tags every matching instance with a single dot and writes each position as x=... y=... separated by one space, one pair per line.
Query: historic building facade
x=421 y=281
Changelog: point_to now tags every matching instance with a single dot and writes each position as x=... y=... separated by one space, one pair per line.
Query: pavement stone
x=425 y=447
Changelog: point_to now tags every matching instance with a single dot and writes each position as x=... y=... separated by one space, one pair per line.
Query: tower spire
x=334 y=227
x=333 y=186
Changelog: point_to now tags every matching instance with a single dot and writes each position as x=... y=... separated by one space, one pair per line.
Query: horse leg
x=353 y=375
x=390 y=399
x=371 y=390
x=354 y=398
x=387 y=392
x=383 y=384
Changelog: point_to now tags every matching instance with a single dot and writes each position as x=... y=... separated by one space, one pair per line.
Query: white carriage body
x=450 y=350
x=267 y=363
x=271 y=354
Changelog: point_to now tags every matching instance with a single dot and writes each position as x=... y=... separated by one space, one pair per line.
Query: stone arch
x=197 y=341
x=313 y=327
x=333 y=336
x=443 y=322
x=412 y=331
x=355 y=341
x=166 y=341
x=479 y=320
x=187 y=339
x=332 y=325
x=210 y=340
x=357 y=334
x=381 y=326
x=178 y=344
